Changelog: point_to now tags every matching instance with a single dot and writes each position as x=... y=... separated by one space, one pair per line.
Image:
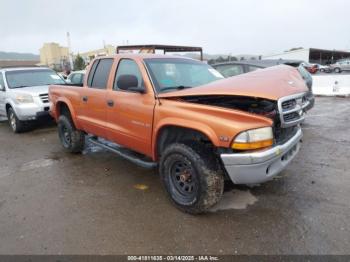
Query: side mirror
x=68 y=81
x=2 y=88
x=129 y=83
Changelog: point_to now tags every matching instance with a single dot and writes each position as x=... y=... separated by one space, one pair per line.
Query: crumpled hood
x=270 y=83
x=32 y=90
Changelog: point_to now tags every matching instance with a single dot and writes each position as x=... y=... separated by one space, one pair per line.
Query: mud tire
x=206 y=177
x=72 y=140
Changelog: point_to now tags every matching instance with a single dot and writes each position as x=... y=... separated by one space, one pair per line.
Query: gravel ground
x=52 y=202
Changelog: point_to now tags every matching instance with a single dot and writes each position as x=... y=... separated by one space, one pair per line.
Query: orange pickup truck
x=182 y=116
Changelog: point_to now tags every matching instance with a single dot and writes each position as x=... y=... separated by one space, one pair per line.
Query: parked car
x=24 y=94
x=233 y=68
x=311 y=68
x=341 y=65
x=76 y=78
x=323 y=68
x=183 y=116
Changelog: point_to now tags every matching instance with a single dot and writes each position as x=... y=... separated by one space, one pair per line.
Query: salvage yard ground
x=52 y=202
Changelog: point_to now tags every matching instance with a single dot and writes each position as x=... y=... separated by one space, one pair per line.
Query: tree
x=79 y=63
x=220 y=59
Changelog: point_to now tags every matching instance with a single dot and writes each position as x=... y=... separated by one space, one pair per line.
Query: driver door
x=2 y=96
x=130 y=113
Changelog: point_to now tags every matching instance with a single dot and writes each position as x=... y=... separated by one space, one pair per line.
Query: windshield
x=176 y=73
x=32 y=77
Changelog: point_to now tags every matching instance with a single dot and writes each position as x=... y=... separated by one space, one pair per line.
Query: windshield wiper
x=19 y=86
x=175 y=87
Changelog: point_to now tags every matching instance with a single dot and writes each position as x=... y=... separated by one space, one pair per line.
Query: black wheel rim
x=184 y=182
x=65 y=136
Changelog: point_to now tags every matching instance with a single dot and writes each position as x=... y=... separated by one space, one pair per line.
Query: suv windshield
x=171 y=74
x=32 y=77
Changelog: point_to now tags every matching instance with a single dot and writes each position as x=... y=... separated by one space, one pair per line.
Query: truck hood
x=32 y=90
x=270 y=83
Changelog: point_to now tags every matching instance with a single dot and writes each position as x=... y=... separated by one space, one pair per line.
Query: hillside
x=18 y=56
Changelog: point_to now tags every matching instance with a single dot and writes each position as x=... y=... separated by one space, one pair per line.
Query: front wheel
x=16 y=125
x=192 y=178
x=337 y=70
x=72 y=140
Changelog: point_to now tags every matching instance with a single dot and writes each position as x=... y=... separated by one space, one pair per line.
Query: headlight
x=253 y=139
x=24 y=98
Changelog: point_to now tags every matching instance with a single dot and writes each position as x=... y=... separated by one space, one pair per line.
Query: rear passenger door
x=92 y=113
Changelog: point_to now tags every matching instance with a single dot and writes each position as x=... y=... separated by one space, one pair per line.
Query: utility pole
x=70 y=57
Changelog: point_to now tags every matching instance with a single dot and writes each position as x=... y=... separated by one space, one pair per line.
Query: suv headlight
x=253 y=139
x=24 y=98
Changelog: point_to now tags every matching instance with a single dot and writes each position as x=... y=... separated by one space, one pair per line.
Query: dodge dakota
x=182 y=116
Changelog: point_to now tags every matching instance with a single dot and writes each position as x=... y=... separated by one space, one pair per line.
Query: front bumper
x=27 y=112
x=260 y=166
x=311 y=99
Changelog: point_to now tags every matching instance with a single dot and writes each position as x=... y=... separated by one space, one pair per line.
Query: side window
x=230 y=70
x=253 y=68
x=2 y=83
x=77 y=79
x=100 y=76
x=128 y=67
x=92 y=72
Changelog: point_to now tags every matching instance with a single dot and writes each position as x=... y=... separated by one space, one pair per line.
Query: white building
x=311 y=55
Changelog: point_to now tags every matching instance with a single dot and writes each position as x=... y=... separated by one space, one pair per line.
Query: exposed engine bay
x=254 y=105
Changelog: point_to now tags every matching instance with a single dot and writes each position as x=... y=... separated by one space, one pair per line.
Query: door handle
x=110 y=103
x=85 y=98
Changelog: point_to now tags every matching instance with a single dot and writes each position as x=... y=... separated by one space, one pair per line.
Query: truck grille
x=291 y=109
x=44 y=98
x=282 y=135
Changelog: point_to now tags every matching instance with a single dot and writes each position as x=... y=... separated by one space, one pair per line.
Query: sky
x=257 y=27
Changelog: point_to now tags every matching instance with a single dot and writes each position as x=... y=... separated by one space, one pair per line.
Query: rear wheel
x=72 y=140
x=16 y=125
x=337 y=70
x=192 y=177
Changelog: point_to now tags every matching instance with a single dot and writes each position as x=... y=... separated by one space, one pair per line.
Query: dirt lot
x=52 y=202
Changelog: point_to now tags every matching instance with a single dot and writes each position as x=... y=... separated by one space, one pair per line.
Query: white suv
x=24 y=94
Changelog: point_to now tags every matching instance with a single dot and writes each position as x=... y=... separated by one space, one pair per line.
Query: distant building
x=311 y=55
x=89 y=55
x=54 y=56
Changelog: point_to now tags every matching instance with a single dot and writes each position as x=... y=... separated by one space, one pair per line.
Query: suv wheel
x=337 y=70
x=16 y=125
x=192 y=177
x=72 y=140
